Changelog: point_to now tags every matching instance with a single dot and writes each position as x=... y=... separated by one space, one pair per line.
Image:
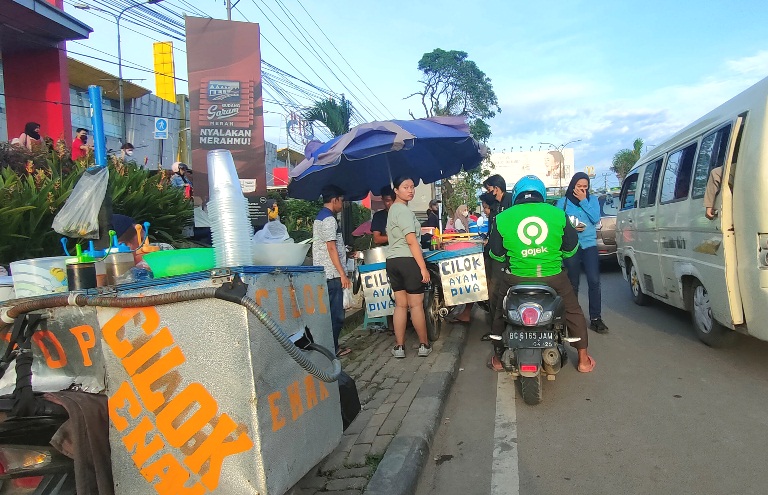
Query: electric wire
x=312 y=50
x=343 y=58
x=299 y=26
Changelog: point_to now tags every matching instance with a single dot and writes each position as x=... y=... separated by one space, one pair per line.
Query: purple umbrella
x=371 y=155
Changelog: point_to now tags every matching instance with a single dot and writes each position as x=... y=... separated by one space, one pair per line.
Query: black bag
x=350 y=401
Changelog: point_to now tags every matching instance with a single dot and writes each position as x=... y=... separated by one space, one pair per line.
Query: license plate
x=531 y=338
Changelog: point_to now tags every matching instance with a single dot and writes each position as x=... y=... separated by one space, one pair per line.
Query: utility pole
x=231 y=6
x=605 y=180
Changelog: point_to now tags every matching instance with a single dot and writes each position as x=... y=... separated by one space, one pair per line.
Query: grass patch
x=373 y=461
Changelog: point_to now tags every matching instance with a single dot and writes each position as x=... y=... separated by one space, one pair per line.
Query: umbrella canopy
x=371 y=155
x=363 y=229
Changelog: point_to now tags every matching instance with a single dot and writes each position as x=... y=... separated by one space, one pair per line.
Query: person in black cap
x=433 y=214
x=125 y=229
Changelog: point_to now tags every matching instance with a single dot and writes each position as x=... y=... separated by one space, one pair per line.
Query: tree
x=625 y=159
x=336 y=116
x=455 y=85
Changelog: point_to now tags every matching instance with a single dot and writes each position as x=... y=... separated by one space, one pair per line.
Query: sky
x=598 y=73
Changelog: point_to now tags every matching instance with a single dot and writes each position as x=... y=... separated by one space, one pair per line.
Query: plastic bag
x=79 y=218
x=347 y=298
x=274 y=232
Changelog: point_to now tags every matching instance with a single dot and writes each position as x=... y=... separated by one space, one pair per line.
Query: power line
x=311 y=49
x=342 y=57
x=310 y=38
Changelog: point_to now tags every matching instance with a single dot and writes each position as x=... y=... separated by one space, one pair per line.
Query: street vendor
x=379 y=220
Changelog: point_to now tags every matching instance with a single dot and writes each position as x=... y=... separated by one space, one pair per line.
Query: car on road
x=606 y=236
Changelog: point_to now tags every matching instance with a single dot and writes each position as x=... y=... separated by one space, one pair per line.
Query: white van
x=716 y=269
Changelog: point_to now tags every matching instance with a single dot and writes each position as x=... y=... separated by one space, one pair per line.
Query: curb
x=399 y=470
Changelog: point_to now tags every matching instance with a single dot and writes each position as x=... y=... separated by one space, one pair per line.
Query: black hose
x=183 y=296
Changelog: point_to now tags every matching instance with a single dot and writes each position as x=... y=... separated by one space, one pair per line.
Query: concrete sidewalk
x=385 y=448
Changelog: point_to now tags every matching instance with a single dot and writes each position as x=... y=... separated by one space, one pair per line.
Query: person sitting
x=460 y=222
x=711 y=192
x=532 y=223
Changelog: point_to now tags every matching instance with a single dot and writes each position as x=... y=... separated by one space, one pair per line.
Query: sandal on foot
x=589 y=368
x=343 y=352
x=495 y=364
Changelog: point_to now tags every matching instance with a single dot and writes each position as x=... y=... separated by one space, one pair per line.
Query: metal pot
x=375 y=255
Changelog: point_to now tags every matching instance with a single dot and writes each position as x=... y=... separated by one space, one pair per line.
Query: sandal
x=589 y=368
x=486 y=337
x=343 y=352
x=495 y=364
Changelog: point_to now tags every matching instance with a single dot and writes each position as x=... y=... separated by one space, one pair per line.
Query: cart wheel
x=432 y=313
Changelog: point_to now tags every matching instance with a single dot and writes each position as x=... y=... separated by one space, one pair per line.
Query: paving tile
x=380 y=445
x=358 y=455
x=359 y=472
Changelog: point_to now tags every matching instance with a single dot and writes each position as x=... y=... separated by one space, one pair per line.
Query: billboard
x=555 y=168
x=226 y=106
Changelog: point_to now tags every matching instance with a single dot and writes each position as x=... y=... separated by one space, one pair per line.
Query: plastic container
x=231 y=230
x=39 y=276
x=286 y=254
x=6 y=288
x=180 y=261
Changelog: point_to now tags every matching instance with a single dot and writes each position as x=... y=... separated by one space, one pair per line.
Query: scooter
x=534 y=337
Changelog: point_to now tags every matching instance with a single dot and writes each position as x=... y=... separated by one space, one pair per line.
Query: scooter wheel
x=530 y=389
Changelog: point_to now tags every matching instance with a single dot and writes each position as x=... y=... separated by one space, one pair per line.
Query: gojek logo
x=532 y=231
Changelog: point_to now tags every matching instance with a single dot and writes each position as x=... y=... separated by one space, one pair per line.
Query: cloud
x=556 y=112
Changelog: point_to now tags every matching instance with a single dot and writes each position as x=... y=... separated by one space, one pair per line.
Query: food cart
x=457 y=278
x=207 y=391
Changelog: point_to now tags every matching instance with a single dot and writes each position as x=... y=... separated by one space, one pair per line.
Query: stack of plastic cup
x=231 y=229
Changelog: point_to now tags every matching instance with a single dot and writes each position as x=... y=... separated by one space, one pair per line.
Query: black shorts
x=404 y=274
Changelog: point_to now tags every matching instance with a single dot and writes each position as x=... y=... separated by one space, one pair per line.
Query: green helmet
x=529 y=183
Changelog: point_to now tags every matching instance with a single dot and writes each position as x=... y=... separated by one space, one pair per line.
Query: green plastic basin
x=180 y=261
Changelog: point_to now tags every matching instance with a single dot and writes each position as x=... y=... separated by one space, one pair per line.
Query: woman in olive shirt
x=406 y=268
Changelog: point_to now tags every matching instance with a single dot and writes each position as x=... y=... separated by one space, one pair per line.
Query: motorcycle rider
x=536 y=237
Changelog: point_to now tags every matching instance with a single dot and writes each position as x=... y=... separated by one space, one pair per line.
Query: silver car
x=606 y=236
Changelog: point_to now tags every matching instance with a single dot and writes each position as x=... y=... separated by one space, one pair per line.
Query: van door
x=727 y=226
x=674 y=218
x=646 y=248
x=706 y=249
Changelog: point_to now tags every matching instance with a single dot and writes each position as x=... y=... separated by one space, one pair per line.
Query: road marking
x=505 y=478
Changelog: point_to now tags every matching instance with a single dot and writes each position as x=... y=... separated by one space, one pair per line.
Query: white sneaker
x=425 y=350
x=399 y=351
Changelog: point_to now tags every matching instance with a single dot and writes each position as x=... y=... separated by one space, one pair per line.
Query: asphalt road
x=661 y=414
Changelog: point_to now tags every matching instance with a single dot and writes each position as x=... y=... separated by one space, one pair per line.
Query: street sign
x=161 y=128
x=590 y=170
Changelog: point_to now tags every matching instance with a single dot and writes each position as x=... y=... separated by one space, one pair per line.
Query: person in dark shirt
x=497 y=187
x=379 y=220
x=433 y=214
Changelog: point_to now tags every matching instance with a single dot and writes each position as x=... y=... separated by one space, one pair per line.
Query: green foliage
x=31 y=198
x=625 y=159
x=147 y=196
x=455 y=85
x=29 y=204
x=335 y=116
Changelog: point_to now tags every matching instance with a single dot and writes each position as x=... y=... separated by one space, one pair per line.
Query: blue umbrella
x=371 y=155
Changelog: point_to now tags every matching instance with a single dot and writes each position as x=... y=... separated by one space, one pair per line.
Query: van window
x=627 y=198
x=677 y=174
x=650 y=184
x=714 y=147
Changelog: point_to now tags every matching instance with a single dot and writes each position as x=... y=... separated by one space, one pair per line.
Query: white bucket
x=39 y=276
x=6 y=288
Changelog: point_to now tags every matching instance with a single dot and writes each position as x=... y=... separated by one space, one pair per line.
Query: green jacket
x=535 y=237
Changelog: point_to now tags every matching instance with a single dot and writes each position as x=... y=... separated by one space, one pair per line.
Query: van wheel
x=707 y=328
x=638 y=296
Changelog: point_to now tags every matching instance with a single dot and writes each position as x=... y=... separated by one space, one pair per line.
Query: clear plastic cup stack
x=231 y=229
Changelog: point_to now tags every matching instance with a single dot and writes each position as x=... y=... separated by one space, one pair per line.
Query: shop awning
x=26 y=25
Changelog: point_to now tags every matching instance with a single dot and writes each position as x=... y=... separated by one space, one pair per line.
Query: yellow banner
x=165 y=82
